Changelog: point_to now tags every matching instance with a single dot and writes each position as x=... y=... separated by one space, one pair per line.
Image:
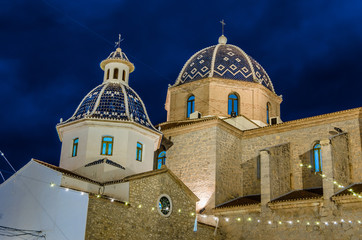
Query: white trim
x=212 y=66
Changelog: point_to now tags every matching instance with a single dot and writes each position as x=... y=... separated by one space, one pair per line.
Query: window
x=139 y=151
x=107 y=145
x=108 y=74
x=115 y=73
x=317 y=157
x=75 y=147
x=164 y=205
x=124 y=75
x=161 y=159
x=190 y=105
x=233 y=103
x=268 y=113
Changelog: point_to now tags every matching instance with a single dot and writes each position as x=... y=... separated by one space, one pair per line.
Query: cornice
x=296 y=203
x=339 y=116
x=238 y=209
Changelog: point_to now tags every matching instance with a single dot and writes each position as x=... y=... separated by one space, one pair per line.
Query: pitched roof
x=302 y=194
x=356 y=187
x=65 y=172
x=240 y=201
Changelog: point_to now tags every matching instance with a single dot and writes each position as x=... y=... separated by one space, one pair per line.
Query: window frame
x=268 y=109
x=233 y=101
x=75 y=147
x=139 y=151
x=317 y=162
x=161 y=158
x=190 y=105
x=107 y=143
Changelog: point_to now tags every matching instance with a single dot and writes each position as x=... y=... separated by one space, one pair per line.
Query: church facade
x=223 y=165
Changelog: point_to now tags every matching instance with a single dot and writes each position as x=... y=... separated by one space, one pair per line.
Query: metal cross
x=222 y=26
x=118 y=43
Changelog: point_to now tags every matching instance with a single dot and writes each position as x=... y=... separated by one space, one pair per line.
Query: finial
x=118 y=43
x=222 y=27
x=222 y=38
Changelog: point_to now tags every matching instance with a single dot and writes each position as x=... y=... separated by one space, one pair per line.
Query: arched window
x=124 y=75
x=139 y=151
x=190 y=105
x=268 y=113
x=161 y=159
x=108 y=73
x=107 y=145
x=115 y=73
x=317 y=157
x=75 y=147
x=233 y=104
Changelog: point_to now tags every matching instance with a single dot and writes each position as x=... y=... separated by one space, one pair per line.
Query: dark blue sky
x=50 y=52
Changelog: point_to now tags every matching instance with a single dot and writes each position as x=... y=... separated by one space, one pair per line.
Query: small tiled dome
x=223 y=61
x=112 y=101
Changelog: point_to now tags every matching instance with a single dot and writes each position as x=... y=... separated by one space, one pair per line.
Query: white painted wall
x=121 y=66
x=125 y=138
x=28 y=202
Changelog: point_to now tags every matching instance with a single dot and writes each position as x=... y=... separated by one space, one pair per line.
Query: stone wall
x=280 y=173
x=340 y=156
x=211 y=98
x=228 y=155
x=140 y=219
x=301 y=141
x=294 y=224
x=192 y=158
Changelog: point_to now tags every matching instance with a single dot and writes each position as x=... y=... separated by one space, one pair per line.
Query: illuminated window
x=108 y=74
x=124 y=75
x=161 y=159
x=190 y=105
x=317 y=157
x=139 y=151
x=233 y=103
x=115 y=73
x=268 y=113
x=75 y=147
x=107 y=145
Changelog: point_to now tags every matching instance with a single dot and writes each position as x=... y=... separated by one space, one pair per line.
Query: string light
x=112 y=200
x=139 y=206
x=249 y=219
x=269 y=222
x=52 y=185
x=227 y=219
x=153 y=208
x=239 y=219
x=67 y=189
x=192 y=214
x=179 y=210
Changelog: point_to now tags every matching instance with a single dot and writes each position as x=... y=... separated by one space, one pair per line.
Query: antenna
x=118 y=43
x=222 y=26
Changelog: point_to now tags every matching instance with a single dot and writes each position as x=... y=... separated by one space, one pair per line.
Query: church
x=222 y=166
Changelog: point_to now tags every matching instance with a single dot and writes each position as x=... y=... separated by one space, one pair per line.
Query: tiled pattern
x=230 y=63
x=111 y=104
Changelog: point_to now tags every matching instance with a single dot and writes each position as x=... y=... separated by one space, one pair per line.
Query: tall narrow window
x=108 y=73
x=190 y=105
x=161 y=159
x=139 y=151
x=233 y=103
x=75 y=147
x=124 y=75
x=107 y=145
x=268 y=113
x=317 y=158
x=115 y=73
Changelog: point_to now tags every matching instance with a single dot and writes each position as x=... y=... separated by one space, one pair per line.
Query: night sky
x=50 y=52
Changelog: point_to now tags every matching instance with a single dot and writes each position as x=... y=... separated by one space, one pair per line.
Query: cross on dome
x=118 y=43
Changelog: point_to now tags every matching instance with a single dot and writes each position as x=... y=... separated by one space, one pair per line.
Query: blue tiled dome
x=223 y=61
x=112 y=101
